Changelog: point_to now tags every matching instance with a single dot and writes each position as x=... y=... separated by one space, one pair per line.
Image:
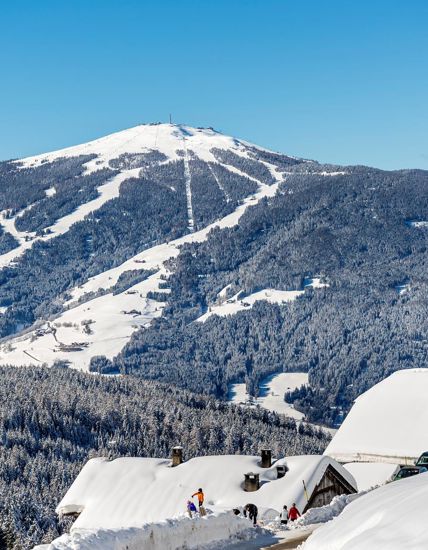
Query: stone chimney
x=177 y=456
x=266 y=456
x=251 y=482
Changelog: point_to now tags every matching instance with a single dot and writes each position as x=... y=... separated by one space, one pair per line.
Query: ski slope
x=111 y=327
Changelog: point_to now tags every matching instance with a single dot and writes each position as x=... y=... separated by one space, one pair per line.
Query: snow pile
x=386 y=423
x=130 y=492
x=197 y=533
x=393 y=517
x=328 y=512
x=371 y=474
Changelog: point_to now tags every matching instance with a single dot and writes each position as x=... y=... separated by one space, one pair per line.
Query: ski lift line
x=220 y=185
x=188 y=180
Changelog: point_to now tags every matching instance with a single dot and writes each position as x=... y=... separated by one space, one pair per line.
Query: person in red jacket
x=293 y=513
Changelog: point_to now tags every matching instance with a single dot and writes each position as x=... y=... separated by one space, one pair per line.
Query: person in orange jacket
x=200 y=496
x=293 y=513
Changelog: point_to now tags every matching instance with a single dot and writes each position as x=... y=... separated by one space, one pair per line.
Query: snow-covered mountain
x=198 y=178
x=202 y=260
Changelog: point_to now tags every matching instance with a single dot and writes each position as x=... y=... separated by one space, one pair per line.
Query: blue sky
x=337 y=81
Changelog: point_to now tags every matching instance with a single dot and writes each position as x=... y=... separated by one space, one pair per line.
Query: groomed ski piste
x=114 y=317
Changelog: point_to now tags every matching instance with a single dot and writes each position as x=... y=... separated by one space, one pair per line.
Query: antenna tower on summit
x=170 y=118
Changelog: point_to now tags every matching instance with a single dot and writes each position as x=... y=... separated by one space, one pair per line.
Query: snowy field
x=272 y=390
x=234 y=304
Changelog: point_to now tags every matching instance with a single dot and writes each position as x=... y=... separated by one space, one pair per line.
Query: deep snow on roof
x=393 y=517
x=129 y=492
x=387 y=423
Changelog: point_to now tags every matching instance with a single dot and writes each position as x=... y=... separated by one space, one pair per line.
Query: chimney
x=281 y=471
x=251 y=482
x=177 y=456
x=266 y=456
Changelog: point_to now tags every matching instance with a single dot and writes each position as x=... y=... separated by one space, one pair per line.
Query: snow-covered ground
x=393 y=517
x=234 y=304
x=417 y=223
x=211 y=532
x=386 y=422
x=272 y=390
x=314 y=282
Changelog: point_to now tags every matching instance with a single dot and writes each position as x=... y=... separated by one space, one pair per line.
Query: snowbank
x=393 y=517
x=198 y=533
x=386 y=423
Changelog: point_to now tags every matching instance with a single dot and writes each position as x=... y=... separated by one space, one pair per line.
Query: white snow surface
x=130 y=492
x=387 y=422
x=371 y=474
x=165 y=138
x=196 y=533
x=272 y=390
x=232 y=306
x=393 y=517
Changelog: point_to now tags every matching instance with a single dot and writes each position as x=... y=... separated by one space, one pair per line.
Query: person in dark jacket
x=293 y=513
x=252 y=511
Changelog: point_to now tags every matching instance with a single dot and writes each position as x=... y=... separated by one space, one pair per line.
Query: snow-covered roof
x=387 y=423
x=130 y=492
x=393 y=517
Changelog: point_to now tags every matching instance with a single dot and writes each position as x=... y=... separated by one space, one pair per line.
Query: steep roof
x=387 y=423
x=129 y=492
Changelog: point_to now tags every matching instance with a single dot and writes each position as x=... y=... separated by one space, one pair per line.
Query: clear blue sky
x=338 y=81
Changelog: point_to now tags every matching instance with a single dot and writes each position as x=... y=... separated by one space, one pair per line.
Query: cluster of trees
x=128 y=161
x=248 y=166
x=21 y=186
x=70 y=193
x=351 y=231
x=282 y=162
x=53 y=420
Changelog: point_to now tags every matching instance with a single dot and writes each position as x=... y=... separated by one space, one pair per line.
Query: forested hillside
x=357 y=232
x=53 y=420
x=124 y=247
